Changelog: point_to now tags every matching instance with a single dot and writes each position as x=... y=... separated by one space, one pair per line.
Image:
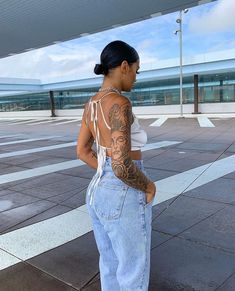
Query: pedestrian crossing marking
x=36 y=150
x=26 y=140
x=204 y=121
x=159 y=121
x=26 y=174
x=35 y=239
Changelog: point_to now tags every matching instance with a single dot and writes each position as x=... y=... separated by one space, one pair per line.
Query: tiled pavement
x=46 y=242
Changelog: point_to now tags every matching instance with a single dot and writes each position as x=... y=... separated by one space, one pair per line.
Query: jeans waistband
x=108 y=164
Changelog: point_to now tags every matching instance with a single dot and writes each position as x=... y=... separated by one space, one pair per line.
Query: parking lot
x=46 y=240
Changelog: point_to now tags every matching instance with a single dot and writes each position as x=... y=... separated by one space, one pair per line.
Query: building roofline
x=217 y=67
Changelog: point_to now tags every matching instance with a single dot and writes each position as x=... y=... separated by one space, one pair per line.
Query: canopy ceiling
x=31 y=24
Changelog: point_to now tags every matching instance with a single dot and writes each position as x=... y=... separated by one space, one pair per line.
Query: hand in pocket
x=150 y=194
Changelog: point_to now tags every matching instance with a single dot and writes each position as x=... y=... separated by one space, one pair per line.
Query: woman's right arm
x=120 y=117
x=85 y=142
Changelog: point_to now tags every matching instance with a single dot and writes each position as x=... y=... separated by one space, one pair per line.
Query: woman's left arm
x=84 y=145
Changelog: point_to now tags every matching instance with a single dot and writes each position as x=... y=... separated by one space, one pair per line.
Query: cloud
x=52 y=64
x=218 y=19
x=153 y=39
x=75 y=59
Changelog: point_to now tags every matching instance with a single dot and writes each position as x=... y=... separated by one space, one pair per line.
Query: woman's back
x=99 y=106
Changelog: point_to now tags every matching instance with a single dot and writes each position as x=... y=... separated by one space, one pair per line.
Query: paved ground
x=46 y=240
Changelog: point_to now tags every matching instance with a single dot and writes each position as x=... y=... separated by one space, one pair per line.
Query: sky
x=206 y=28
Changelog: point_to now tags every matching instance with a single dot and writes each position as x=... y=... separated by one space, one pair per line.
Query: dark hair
x=113 y=55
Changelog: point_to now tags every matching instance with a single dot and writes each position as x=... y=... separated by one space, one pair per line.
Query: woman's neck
x=107 y=83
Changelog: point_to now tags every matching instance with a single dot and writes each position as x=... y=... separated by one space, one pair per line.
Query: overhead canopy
x=31 y=24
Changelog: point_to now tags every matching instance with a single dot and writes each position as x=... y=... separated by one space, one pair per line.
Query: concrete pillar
x=221 y=91
x=195 y=78
x=52 y=103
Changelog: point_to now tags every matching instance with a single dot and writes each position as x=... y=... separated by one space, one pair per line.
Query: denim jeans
x=121 y=221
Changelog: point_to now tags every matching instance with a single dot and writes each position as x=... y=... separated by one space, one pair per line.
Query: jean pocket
x=145 y=200
x=109 y=199
x=149 y=203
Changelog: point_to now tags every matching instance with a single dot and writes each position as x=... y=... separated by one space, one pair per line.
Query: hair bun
x=99 y=69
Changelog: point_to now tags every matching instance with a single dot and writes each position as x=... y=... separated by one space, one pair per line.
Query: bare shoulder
x=120 y=100
x=120 y=113
x=119 y=104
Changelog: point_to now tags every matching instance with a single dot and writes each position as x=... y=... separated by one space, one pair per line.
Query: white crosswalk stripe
x=160 y=144
x=10 y=119
x=27 y=140
x=204 y=121
x=25 y=122
x=20 y=245
x=26 y=174
x=65 y=122
x=41 y=122
x=59 y=146
x=36 y=150
x=159 y=122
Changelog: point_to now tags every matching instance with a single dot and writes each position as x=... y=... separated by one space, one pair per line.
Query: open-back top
x=138 y=139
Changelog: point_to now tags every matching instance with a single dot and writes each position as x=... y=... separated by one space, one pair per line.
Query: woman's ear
x=124 y=67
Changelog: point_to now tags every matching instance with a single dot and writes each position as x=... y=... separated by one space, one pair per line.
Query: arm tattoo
x=120 y=117
x=89 y=145
x=90 y=141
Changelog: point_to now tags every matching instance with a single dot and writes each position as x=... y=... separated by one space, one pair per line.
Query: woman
x=120 y=195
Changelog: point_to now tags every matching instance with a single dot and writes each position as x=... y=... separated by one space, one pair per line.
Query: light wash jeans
x=122 y=228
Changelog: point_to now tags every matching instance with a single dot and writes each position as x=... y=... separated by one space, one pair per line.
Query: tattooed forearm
x=120 y=117
x=130 y=174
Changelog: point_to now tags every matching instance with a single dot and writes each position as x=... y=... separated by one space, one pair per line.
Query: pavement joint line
x=36 y=150
x=204 y=121
x=43 y=236
x=47 y=234
x=27 y=140
x=52 y=276
x=198 y=242
x=29 y=173
x=35 y=172
x=24 y=121
x=59 y=203
x=89 y=282
x=204 y=243
x=9 y=120
x=11 y=135
x=64 y=122
x=42 y=122
x=206 y=199
x=187 y=228
x=42 y=199
x=21 y=182
x=8 y=259
x=55 y=204
x=190 y=184
x=18 y=120
x=228 y=278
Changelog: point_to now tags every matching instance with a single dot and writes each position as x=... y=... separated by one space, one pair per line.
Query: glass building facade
x=211 y=89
